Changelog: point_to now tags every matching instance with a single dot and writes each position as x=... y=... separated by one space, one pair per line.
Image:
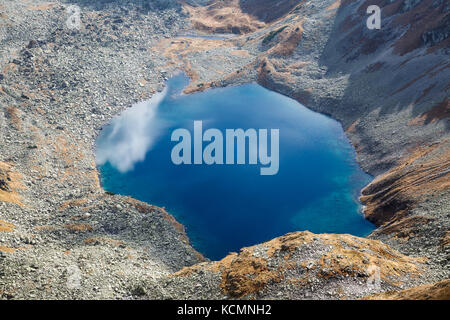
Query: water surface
x=227 y=207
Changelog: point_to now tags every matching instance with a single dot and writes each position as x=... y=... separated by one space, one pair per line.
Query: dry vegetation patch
x=11 y=183
x=223 y=17
x=433 y=291
x=423 y=172
x=6 y=226
x=248 y=273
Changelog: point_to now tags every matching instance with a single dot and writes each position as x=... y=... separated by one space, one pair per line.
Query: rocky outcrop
x=298 y=265
x=62 y=236
x=237 y=16
x=223 y=17
x=435 y=291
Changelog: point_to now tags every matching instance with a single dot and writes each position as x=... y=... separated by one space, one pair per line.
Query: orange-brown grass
x=6 y=171
x=430 y=17
x=43 y=6
x=6 y=226
x=288 y=40
x=14 y=118
x=438 y=112
x=434 y=291
x=223 y=17
x=44 y=227
x=72 y=203
x=419 y=175
x=334 y=5
x=244 y=274
x=177 y=50
x=78 y=227
x=445 y=241
x=9 y=68
x=241 y=53
x=7 y=249
x=95 y=241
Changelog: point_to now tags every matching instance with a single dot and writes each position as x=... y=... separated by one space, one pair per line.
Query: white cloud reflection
x=128 y=138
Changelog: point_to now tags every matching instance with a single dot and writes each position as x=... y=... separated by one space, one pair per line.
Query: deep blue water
x=227 y=207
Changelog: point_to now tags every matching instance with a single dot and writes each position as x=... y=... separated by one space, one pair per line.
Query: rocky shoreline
x=62 y=236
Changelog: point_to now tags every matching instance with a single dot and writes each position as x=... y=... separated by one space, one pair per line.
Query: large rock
x=299 y=265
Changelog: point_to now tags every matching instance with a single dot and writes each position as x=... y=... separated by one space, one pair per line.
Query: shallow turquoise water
x=227 y=207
